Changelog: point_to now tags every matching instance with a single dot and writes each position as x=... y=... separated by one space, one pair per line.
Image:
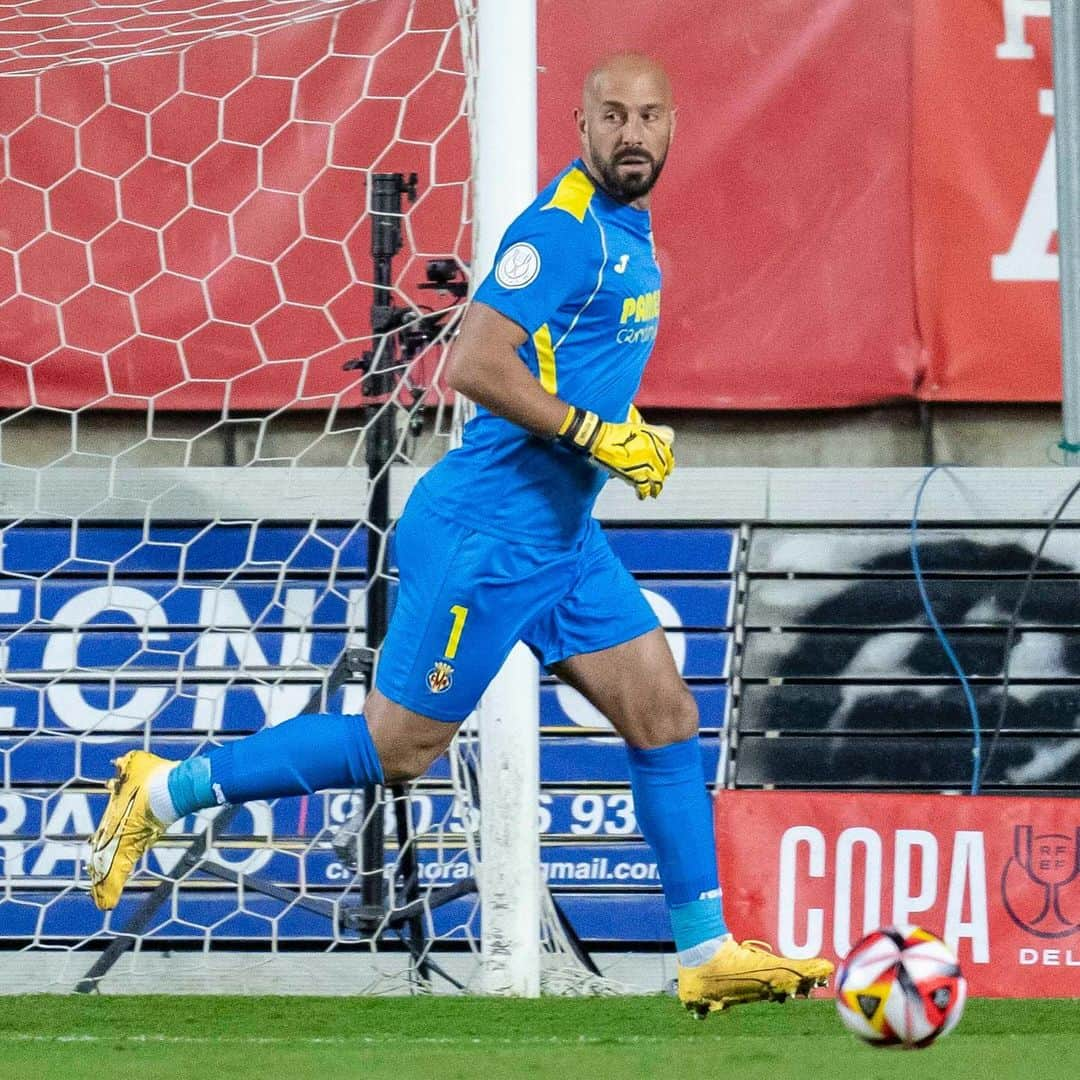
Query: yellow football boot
x=813 y=972
x=750 y=971
x=127 y=827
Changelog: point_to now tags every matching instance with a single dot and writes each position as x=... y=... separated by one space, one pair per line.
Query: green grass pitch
x=279 y=1038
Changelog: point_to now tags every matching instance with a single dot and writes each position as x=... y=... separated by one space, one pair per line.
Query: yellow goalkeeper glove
x=637 y=452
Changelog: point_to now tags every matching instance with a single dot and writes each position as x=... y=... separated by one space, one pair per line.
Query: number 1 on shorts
x=460 y=615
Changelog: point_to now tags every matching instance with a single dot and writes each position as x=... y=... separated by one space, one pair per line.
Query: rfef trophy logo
x=1040 y=885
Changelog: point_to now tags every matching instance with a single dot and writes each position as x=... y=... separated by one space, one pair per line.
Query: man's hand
x=637 y=452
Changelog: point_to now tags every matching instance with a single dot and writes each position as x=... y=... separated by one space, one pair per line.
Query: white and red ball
x=900 y=986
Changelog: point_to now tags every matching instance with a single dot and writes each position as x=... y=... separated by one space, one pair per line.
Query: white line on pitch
x=334 y=1040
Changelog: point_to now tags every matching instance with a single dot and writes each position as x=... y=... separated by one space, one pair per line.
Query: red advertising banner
x=859 y=204
x=782 y=220
x=985 y=208
x=997 y=877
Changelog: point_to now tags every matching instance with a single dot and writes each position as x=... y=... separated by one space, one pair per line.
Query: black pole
x=387 y=190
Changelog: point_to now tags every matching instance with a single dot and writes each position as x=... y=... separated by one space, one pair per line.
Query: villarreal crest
x=441 y=677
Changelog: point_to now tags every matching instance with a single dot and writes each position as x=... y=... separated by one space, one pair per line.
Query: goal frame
x=503 y=115
x=504 y=183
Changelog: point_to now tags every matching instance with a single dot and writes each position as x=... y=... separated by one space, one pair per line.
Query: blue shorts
x=467 y=597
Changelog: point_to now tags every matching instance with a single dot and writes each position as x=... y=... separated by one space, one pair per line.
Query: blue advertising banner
x=223 y=547
x=174 y=639
x=67 y=815
x=48 y=916
x=56 y=759
x=236 y=707
x=255 y=546
x=591 y=866
x=262 y=651
x=289 y=603
x=683 y=550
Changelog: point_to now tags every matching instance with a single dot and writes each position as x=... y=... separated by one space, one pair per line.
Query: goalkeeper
x=497 y=544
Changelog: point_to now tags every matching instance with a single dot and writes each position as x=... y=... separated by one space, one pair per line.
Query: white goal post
x=509 y=714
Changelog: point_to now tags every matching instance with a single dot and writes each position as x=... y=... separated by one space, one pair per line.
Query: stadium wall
x=1014 y=435
x=754 y=573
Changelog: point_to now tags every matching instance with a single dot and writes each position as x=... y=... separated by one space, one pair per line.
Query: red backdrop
x=985 y=214
x=782 y=218
x=192 y=231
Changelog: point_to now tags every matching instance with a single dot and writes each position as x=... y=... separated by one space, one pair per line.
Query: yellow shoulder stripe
x=545 y=357
x=574 y=193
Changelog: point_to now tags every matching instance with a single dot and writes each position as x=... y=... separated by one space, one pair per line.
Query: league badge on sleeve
x=441 y=677
x=518 y=267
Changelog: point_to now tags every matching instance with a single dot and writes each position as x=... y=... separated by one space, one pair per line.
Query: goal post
x=189 y=325
x=509 y=713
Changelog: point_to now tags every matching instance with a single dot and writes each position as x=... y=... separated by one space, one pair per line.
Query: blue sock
x=309 y=753
x=675 y=814
x=189 y=785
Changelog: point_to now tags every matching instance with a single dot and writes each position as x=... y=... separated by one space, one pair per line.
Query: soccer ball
x=900 y=986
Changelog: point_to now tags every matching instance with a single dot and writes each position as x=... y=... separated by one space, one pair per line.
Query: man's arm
x=484 y=366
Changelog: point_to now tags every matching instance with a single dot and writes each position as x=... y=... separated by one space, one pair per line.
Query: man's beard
x=627 y=188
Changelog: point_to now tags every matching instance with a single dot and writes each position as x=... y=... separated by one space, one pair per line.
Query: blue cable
x=973 y=709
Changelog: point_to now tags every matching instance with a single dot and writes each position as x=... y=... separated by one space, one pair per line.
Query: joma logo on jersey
x=643 y=308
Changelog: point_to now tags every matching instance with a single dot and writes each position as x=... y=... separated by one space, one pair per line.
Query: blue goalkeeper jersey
x=577 y=272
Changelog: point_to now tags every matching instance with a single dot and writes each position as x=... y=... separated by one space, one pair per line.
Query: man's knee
x=664 y=716
x=403 y=760
x=406 y=742
x=402 y=764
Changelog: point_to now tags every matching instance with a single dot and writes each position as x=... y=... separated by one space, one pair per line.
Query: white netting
x=185 y=265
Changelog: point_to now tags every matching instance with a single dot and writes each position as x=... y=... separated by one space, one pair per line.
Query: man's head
x=626 y=121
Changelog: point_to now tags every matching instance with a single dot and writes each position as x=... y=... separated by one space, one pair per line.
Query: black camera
x=446 y=276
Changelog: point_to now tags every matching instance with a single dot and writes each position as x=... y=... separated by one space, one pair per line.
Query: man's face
x=626 y=123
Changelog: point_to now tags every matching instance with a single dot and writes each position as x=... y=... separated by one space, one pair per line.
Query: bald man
x=498 y=544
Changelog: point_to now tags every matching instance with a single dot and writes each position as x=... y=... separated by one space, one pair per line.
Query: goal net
x=224 y=312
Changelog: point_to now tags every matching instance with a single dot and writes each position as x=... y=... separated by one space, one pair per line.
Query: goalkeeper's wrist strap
x=579 y=429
